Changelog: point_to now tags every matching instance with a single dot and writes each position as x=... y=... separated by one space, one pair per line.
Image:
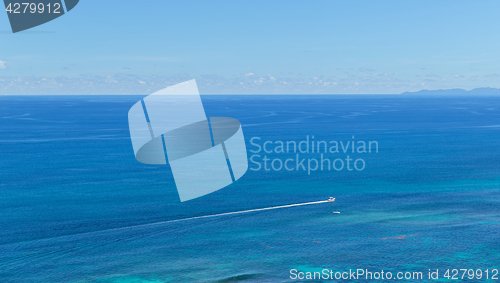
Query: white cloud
x=2 y=65
x=366 y=70
x=271 y=77
x=249 y=74
x=123 y=83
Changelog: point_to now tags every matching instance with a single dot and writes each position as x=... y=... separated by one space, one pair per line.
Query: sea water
x=75 y=205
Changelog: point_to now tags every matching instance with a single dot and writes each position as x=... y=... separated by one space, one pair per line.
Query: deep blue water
x=429 y=198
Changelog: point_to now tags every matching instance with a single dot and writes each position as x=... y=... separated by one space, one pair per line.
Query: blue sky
x=281 y=46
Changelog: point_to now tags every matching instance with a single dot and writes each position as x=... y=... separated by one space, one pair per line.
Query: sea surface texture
x=75 y=205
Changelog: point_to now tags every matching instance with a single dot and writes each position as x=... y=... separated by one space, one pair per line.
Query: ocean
x=76 y=206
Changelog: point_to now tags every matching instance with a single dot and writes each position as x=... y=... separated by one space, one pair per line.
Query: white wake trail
x=240 y=212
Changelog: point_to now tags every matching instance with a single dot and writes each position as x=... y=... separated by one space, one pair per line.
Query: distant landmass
x=457 y=91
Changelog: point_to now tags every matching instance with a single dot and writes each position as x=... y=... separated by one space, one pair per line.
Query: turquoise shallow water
x=73 y=193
